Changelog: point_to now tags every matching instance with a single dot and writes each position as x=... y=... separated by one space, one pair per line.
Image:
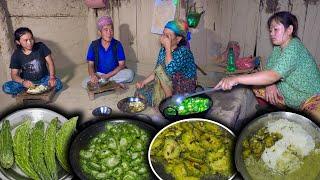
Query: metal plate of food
x=279 y=145
x=198 y=148
x=34 y=115
x=132 y=104
x=38 y=89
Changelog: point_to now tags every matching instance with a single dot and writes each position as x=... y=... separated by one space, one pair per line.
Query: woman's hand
x=273 y=95
x=27 y=84
x=165 y=42
x=140 y=85
x=227 y=83
x=52 y=82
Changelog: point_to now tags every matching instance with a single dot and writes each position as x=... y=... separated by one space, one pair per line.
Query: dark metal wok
x=168 y=104
x=89 y=130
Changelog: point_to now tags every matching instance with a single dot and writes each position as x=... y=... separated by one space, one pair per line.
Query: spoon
x=177 y=99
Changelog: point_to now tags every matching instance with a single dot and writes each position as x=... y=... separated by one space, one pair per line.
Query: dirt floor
x=74 y=100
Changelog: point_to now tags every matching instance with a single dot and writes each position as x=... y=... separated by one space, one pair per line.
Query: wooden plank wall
x=244 y=21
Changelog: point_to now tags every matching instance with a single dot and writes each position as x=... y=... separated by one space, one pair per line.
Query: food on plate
x=194 y=149
x=119 y=152
x=136 y=106
x=6 y=146
x=282 y=150
x=188 y=106
x=63 y=140
x=37 y=89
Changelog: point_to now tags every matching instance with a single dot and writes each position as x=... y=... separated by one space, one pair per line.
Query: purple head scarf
x=103 y=21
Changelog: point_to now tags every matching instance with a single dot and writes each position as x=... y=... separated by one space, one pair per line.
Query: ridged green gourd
x=6 y=150
x=50 y=148
x=21 y=149
x=63 y=141
x=37 y=150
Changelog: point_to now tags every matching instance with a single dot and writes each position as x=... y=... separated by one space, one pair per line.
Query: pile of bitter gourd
x=34 y=149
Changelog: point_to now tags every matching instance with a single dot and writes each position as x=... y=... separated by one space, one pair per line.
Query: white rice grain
x=295 y=137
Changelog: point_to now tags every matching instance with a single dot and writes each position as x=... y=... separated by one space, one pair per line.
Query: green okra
x=21 y=149
x=50 y=148
x=6 y=153
x=37 y=149
x=63 y=141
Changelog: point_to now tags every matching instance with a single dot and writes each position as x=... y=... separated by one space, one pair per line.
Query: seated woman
x=175 y=71
x=292 y=77
x=31 y=63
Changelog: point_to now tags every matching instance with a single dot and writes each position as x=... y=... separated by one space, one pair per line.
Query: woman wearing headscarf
x=175 y=70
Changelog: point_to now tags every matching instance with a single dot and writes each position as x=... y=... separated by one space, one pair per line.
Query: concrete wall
x=68 y=26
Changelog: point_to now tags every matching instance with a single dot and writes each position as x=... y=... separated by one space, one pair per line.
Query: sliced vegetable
x=63 y=141
x=36 y=150
x=50 y=148
x=117 y=153
x=21 y=149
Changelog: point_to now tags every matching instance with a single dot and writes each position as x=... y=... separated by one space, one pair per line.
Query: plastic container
x=231 y=66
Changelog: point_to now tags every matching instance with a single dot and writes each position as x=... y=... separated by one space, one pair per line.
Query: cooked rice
x=286 y=153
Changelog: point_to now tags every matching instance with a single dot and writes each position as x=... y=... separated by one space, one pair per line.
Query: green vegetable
x=50 y=148
x=21 y=149
x=6 y=153
x=189 y=106
x=256 y=144
x=36 y=150
x=63 y=140
x=194 y=150
x=117 y=153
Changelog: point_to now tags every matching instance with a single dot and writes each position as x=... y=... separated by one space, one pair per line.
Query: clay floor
x=74 y=100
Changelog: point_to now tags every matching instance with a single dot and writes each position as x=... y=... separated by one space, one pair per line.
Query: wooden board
x=46 y=97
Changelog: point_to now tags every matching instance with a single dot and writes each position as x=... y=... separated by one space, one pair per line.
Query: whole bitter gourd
x=36 y=150
x=50 y=148
x=63 y=141
x=6 y=153
x=21 y=149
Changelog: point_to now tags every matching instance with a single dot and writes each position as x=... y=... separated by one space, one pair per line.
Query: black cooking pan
x=167 y=104
x=87 y=131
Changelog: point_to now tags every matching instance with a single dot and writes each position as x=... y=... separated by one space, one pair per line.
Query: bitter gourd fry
x=21 y=149
x=36 y=150
x=6 y=153
x=50 y=148
x=63 y=140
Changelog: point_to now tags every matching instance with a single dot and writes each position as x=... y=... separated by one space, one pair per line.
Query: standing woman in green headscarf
x=175 y=70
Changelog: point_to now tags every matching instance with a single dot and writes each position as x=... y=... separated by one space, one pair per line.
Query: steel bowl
x=159 y=168
x=102 y=111
x=124 y=104
x=35 y=115
x=261 y=122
